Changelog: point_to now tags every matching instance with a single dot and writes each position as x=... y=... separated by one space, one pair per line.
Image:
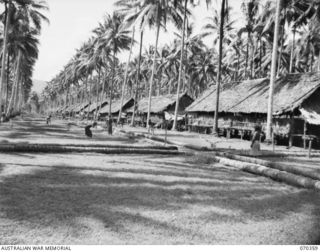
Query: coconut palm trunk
x=216 y=114
x=15 y=87
x=4 y=54
x=102 y=92
x=126 y=75
x=138 y=79
x=97 y=93
x=291 y=67
x=153 y=69
x=281 y=52
x=273 y=72
x=175 y=124
x=111 y=92
x=7 y=84
x=89 y=98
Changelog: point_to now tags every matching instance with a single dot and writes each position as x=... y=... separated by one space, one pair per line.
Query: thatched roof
x=80 y=107
x=71 y=108
x=251 y=96
x=159 y=104
x=115 y=106
x=310 y=109
x=93 y=106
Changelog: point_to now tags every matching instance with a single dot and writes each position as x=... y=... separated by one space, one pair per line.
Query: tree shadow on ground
x=118 y=198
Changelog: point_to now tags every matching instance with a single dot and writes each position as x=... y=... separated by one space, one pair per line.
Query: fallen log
x=43 y=148
x=274 y=174
x=307 y=172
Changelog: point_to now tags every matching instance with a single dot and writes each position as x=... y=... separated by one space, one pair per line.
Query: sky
x=71 y=23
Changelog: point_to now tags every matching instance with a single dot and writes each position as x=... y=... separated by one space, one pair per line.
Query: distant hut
x=296 y=107
x=115 y=108
x=95 y=106
x=81 y=107
x=160 y=106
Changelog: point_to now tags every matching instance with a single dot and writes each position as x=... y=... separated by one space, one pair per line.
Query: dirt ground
x=141 y=199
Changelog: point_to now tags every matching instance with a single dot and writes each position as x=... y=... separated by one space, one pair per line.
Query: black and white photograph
x=159 y=122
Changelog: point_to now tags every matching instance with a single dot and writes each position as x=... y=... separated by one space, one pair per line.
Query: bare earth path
x=142 y=199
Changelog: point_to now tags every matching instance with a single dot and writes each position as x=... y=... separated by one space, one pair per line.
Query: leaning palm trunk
x=174 y=127
x=273 y=72
x=216 y=114
x=4 y=54
x=138 y=78
x=126 y=75
x=153 y=71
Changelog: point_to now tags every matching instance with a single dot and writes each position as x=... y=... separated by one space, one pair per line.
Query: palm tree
x=222 y=15
x=156 y=13
x=30 y=10
x=174 y=127
x=116 y=37
x=250 y=10
x=273 y=71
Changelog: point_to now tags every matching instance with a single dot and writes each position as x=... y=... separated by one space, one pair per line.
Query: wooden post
x=310 y=146
x=165 y=134
x=304 y=135
x=228 y=133
x=273 y=147
x=291 y=132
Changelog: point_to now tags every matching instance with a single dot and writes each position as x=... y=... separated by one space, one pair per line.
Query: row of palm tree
x=22 y=22
x=187 y=64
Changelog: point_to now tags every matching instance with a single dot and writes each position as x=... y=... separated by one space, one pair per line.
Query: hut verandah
x=160 y=106
x=296 y=108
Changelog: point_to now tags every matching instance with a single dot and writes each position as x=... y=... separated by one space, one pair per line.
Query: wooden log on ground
x=274 y=174
x=307 y=172
x=42 y=148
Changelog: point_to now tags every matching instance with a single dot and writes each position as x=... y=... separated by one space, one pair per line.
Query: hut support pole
x=304 y=135
x=291 y=131
x=273 y=71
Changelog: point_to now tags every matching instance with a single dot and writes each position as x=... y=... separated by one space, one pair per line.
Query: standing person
x=49 y=119
x=87 y=129
x=255 y=143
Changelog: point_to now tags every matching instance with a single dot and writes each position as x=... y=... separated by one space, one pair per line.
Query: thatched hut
x=81 y=107
x=296 y=106
x=160 y=105
x=115 y=107
x=95 y=106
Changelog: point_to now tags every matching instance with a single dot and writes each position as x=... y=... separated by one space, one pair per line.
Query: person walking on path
x=255 y=143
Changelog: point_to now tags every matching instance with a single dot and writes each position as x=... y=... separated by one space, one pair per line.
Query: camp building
x=159 y=106
x=296 y=107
